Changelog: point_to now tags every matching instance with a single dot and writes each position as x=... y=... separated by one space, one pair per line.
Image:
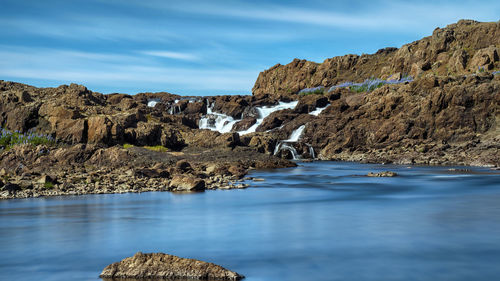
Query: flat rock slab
x=160 y=266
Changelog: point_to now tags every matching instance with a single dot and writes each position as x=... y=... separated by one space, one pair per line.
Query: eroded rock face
x=164 y=266
x=459 y=48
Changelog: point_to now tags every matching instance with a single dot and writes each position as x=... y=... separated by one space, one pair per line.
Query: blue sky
x=202 y=47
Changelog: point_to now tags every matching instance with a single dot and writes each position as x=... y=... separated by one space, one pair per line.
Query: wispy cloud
x=119 y=72
x=172 y=55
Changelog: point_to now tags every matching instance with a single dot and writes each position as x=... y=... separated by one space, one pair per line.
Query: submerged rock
x=382 y=174
x=164 y=266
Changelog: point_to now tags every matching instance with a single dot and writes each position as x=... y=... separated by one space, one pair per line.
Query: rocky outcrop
x=459 y=48
x=164 y=266
x=448 y=114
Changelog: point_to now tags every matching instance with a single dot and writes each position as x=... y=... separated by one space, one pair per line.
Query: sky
x=202 y=47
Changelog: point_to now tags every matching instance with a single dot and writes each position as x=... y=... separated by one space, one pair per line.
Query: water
x=316 y=222
x=224 y=123
x=295 y=136
x=318 y=111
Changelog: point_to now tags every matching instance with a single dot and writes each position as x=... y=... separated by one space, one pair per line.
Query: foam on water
x=224 y=123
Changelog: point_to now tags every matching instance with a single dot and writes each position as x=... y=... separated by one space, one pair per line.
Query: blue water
x=318 y=221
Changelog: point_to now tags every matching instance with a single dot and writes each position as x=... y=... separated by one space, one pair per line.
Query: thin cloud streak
x=172 y=55
x=117 y=71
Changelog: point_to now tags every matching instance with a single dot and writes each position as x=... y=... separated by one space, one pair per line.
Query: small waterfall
x=277 y=148
x=266 y=111
x=286 y=146
x=295 y=136
x=311 y=151
x=217 y=122
x=318 y=111
x=224 y=123
x=153 y=102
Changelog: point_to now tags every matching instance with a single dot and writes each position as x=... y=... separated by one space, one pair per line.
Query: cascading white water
x=295 y=154
x=216 y=121
x=318 y=111
x=266 y=111
x=287 y=144
x=295 y=136
x=311 y=151
x=224 y=123
x=153 y=102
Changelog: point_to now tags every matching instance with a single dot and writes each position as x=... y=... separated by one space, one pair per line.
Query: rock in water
x=382 y=174
x=164 y=266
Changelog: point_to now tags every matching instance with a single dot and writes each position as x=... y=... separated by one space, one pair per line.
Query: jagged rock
x=46 y=179
x=237 y=171
x=183 y=166
x=102 y=130
x=172 y=139
x=187 y=183
x=310 y=102
x=244 y=124
x=164 y=266
x=443 y=49
x=276 y=119
x=11 y=187
x=484 y=58
x=151 y=173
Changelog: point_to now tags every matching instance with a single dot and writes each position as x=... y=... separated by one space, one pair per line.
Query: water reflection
x=320 y=221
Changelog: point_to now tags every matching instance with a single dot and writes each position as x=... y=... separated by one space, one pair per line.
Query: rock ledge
x=164 y=266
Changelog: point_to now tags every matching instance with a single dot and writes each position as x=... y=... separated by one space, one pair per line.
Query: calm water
x=315 y=222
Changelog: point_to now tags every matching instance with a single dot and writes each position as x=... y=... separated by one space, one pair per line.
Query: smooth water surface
x=319 y=221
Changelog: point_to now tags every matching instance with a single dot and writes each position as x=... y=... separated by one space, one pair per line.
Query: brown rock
x=183 y=165
x=440 y=53
x=244 y=124
x=237 y=171
x=187 y=183
x=382 y=174
x=164 y=266
x=484 y=58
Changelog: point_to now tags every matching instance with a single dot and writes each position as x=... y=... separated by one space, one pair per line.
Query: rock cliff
x=448 y=114
x=459 y=48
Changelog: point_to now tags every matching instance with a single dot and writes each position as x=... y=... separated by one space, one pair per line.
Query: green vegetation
x=9 y=139
x=127 y=145
x=48 y=185
x=158 y=148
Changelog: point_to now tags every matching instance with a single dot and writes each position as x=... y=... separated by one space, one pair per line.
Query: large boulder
x=187 y=183
x=102 y=130
x=164 y=266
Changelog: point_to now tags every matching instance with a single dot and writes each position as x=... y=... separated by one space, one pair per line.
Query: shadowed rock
x=164 y=266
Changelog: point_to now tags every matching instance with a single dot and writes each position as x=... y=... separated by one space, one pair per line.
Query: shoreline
x=217 y=182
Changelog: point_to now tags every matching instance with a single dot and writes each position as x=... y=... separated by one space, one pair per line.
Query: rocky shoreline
x=447 y=113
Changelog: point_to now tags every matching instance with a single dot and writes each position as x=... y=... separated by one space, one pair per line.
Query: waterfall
x=286 y=146
x=311 y=151
x=224 y=123
x=217 y=122
x=153 y=102
x=318 y=111
x=266 y=111
x=295 y=136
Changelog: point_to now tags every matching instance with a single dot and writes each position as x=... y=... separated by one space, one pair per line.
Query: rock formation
x=459 y=48
x=163 y=266
x=448 y=114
